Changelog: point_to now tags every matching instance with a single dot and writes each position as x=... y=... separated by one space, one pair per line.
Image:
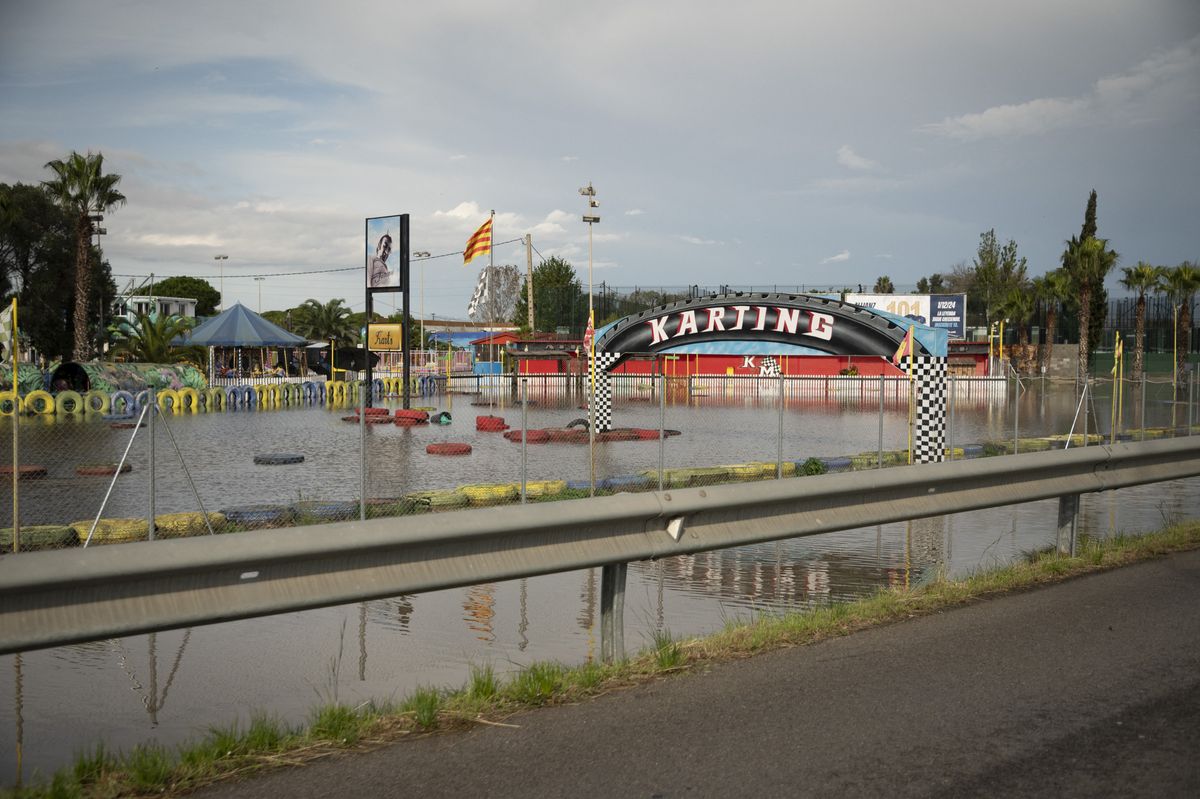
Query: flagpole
x=492 y=306
x=912 y=352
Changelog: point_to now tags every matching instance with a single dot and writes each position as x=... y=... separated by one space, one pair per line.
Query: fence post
x=1142 y=411
x=612 y=612
x=952 y=401
x=881 y=379
x=1016 y=414
x=779 y=460
x=1068 y=512
x=524 y=435
x=152 y=412
x=662 y=427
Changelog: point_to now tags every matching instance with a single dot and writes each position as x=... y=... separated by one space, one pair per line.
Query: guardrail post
x=152 y=412
x=1068 y=513
x=612 y=612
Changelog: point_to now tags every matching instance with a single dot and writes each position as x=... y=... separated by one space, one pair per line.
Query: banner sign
x=385 y=337
x=387 y=253
x=945 y=311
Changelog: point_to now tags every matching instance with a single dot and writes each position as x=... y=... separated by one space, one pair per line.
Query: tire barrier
x=140 y=401
x=428 y=386
x=309 y=391
x=544 y=488
x=10 y=403
x=25 y=471
x=168 y=400
x=278 y=459
x=39 y=402
x=335 y=391
x=258 y=515
x=377 y=387
x=214 y=400
x=40 y=536
x=233 y=397
x=97 y=402
x=371 y=419
x=491 y=494
x=180 y=525
x=490 y=424
x=333 y=511
x=448 y=448
x=68 y=402
x=412 y=413
x=112 y=531
x=101 y=469
x=122 y=402
x=439 y=500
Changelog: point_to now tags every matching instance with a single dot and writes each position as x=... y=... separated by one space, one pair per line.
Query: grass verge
x=231 y=752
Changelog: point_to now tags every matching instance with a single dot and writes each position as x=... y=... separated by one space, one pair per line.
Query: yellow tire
x=189 y=399
x=68 y=402
x=10 y=403
x=97 y=401
x=214 y=399
x=111 y=531
x=171 y=394
x=491 y=494
x=335 y=391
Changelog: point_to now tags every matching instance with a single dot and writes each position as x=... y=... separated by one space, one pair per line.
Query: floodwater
x=171 y=687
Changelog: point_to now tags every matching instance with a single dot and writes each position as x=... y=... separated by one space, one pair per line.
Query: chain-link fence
x=92 y=469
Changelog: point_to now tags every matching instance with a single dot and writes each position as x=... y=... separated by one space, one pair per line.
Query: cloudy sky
x=811 y=142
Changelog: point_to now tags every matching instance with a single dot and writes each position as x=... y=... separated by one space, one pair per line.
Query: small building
x=129 y=307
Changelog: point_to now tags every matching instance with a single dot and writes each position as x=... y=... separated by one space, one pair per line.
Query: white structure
x=129 y=307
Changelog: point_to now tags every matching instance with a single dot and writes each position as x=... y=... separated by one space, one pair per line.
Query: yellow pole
x=1000 y=342
x=1121 y=392
x=912 y=350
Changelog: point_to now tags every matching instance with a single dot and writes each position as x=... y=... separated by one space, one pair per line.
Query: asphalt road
x=1088 y=688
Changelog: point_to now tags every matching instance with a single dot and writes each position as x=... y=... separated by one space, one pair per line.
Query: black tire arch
x=853 y=330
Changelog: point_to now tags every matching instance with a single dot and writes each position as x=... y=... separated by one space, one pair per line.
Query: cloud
x=570 y=158
x=634 y=212
x=844 y=255
x=884 y=255
x=1155 y=86
x=699 y=241
x=458 y=157
x=848 y=158
x=165 y=240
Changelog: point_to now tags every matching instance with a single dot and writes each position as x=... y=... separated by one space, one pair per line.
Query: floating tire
x=409 y=421
x=373 y=411
x=646 y=434
x=39 y=402
x=97 y=402
x=490 y=424
x=101 y=469
x=373 y=419
x=531 y=436
x=617 y=435
x=412 y=413
x=40 y=536
x=10 y=403
x=127 y=404
x=832 y=464
x=626 y=482
x=339 y=511
x=25 y=471
x=278 y=459
x=258 y=515
x=68 y=402
x=448 y=448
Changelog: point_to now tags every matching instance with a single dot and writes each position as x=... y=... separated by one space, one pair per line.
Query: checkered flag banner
x=7 y=335
x=769 y=367
x=475 y=307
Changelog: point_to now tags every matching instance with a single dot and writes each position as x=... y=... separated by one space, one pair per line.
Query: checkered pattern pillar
x=603 y=393
x=929 y=435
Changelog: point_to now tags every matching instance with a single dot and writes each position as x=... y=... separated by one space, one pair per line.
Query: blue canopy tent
x=239 y=327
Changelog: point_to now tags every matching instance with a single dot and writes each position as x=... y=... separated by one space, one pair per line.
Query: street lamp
x=591 y=216
x=422 y=254
x=221 y=259
x=259 y=281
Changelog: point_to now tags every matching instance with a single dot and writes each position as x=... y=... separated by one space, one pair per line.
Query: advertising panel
x=387 y=253
x=949 y=312
x=388 y=337
x=945 y=311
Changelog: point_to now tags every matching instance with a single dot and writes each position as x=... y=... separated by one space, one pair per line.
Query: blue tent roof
x=238 y=326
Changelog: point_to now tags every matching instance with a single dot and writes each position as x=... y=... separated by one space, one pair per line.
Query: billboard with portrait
x=386 y=257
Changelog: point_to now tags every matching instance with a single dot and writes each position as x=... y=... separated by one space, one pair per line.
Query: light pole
x=422 y=254
x=259 y=281
x=591 y=216
x=221 y=259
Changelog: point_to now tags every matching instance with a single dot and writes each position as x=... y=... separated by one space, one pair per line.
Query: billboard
x=945 y=311
x=387 y=253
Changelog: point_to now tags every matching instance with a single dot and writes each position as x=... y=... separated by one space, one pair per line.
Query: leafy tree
x=999 y=270
x=81 y=188
x=558 y=299
x=934 y=284
x=884 y=285
x=1180 y=285
x=147 y=339
x=1016 y=308
x=1141 y=279
x=207 y=298
x=319 y=321
x=281 y=318
x=1087 y=262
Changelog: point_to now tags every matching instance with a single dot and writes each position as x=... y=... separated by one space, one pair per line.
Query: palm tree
x=1017 y=307
x=1087 y=262
x=1051 y=290
x=323 y=321
x=1179 y=284
x=82 y=189
x=147 y=339
x=1141 y=279
x=884 y=285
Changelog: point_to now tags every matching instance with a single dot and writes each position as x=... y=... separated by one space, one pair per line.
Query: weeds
x=668 y=654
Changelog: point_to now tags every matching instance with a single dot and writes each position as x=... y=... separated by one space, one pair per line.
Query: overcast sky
x=767 y=143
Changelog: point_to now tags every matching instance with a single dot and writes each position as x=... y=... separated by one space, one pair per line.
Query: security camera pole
x=591 y=216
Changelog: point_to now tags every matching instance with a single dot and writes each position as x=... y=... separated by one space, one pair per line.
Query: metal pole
x=662 y=424
x=362 y=451
x=779 y=460
x=1143 y=409
x=153 y=411
x=524 y=434
x=953 y=402
x=881 y=384
x=529 y=279
x=1068 y=512
x=612 y=612
x=1087 y=383
x=1016 y=414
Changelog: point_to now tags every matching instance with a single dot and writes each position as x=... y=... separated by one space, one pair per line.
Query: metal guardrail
x=61 y=597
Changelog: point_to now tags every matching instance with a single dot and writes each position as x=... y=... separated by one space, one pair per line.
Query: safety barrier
x=58 y=598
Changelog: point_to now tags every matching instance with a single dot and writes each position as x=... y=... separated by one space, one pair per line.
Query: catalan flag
x=480 y=242
x=8 y=335
x=905 y=350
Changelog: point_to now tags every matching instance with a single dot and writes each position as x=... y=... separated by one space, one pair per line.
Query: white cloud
x=848 y=158
x=167 y=240
x=634 y=212
x=570 y=158
x=699 y=241
x=1156 y=85
x=458 y=157
x=844 y=255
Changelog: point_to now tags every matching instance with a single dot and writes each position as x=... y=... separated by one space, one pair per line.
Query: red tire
x=407 y=413
x=532 y=436
x=100 y=469
x=371 y=419
x=373 y=411
x=645 y=434
x=409 y=421
x=617 y=435
x=24 y=472
x=448 y=448
x=491 y=424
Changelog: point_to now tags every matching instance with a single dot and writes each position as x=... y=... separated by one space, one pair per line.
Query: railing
x=75 y=595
